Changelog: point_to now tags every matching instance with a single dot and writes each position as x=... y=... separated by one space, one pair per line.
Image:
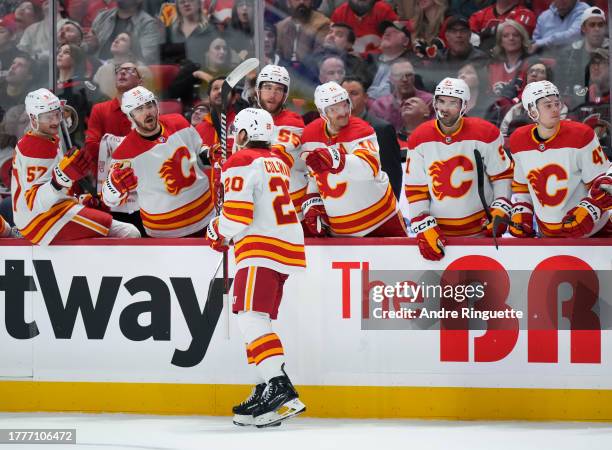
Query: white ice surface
x=143 y=432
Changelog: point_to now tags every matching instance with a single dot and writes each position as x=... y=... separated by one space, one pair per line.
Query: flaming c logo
x=441 y=173
x=538 y=178
x=326 y=190
x=173 y=174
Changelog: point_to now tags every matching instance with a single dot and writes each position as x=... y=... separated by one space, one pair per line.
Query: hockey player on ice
x=560 y=171
x=348 y=192
x=441 y=182
x=259 y=217
x=44 y=207
x=159 y=160
x=272 y=89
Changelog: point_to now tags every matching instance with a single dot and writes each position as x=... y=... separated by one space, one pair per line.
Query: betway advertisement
x=365 y=312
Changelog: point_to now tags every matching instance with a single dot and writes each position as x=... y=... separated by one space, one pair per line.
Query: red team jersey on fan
x=359 y=198
x=258 y=214
x=286 y=143
x=556 y=173
x=173 y=192
x=441 y=171
x=39 y=210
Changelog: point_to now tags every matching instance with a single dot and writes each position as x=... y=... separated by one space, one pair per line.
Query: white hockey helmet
x=135 y=98
x=535 y=91
x=257 y=123
x=273 y=74
x=39 y=102
x=328 y=94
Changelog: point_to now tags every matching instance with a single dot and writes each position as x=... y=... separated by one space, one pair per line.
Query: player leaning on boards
x=44 y=207
x=259 y=217
x=159 y=160
x=441 y=173
x=347 y=192
x=272 y=89
x=560 y=171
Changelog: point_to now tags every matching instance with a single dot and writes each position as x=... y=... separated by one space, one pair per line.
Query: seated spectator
x=128 y=17
x=217 y=61
x=219 y=11
x=538 y=70
x=414 y=112
x=390 y=158
x=476 y=79
x=459 y=48
x=70 y=33
x=559 y=25
x=331 y=68
x=510 y=53
x=12 y=127
x=14 y=86
x=402 y=79
x=198 y=112
x=365 y=18
x=302 y=33
x=84 y=11
x=595 y=111
x=8 y=49
x=394 y=45
x=27 y=13
x=191 y=29
x=269 y=42
x=572 y=78
x=36 y=38
x=485 y=22
x=239 y=34
x=123 y=49
x=426 y=27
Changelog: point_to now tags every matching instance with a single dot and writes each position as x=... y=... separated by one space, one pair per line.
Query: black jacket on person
x=390 y=156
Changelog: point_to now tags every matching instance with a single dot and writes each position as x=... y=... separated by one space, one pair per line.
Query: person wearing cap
x=559 y=25
x=574 y=77
x=198 y=112
x=365 y=18
x=8 y=49
x=394 y=45
x=486 y=21
x=459 y=48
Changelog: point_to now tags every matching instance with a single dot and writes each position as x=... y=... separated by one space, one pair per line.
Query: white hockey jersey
x=556 y=174
x=359 y=198
x=286 y=144
x=258 y=213
x=173 y=191
x=39 y=210
x=441 y=175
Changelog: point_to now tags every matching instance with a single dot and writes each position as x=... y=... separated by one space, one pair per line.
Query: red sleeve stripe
x=366 y=218
x=371 y=160
x=505 y=175
x=414 y=198
x=416 y=193
x=241 y=212
x=30 y=195
x=298 y=198
x=519 y=188
x=280 y=152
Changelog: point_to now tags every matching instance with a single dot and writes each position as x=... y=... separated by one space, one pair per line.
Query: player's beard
x=149 y=124
x=268 y=106
x=448 y=120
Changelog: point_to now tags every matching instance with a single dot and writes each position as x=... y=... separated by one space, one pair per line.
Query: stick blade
x=241 y=71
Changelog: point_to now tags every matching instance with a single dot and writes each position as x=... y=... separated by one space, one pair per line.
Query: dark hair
x=357 y=79
x=330 y=55
x=38 y=12
x=351 y=33
x=221 y=77
x=236 y=24
x=258 y=144
x=78 y=58
x=546 y=63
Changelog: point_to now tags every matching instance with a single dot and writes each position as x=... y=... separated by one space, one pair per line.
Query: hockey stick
x=481 y=194
x=229 y=83
x=84 y=183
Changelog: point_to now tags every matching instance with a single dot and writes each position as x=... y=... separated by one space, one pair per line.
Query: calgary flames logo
x=538 y=178
x=173 y=173
x=326 y=190
x=441 y=173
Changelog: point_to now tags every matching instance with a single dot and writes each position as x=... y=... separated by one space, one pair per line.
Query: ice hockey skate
x=243 y=413
x=280 y=402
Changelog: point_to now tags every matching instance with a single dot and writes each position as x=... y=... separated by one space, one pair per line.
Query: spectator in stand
x=476 y=79
x=36 y=38
x=390 y=157
x=394 y=45
x=27 y=13
x=8 y=7
x=595 y=111
x=190 y=28
x=327 y=7
x=426 y=27
x=302 y=33
x=239 y=34
x=485 y=22
x=572 y=78
x=219 y=11
x=459 y=48
x=365 y=18
x=270 y=54
x=123 y=49
x=198 y=112
x=402 y=79
x=8 y=49
x=510 y=53
x=127 y=17
x=217 y=61
x=70 y=33
x=85 y=11
x=414 y=112
x=559 y=25
x=331 y=68
x=14 y=86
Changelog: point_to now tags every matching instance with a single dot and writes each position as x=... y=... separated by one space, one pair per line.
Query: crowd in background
x=389 y=55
